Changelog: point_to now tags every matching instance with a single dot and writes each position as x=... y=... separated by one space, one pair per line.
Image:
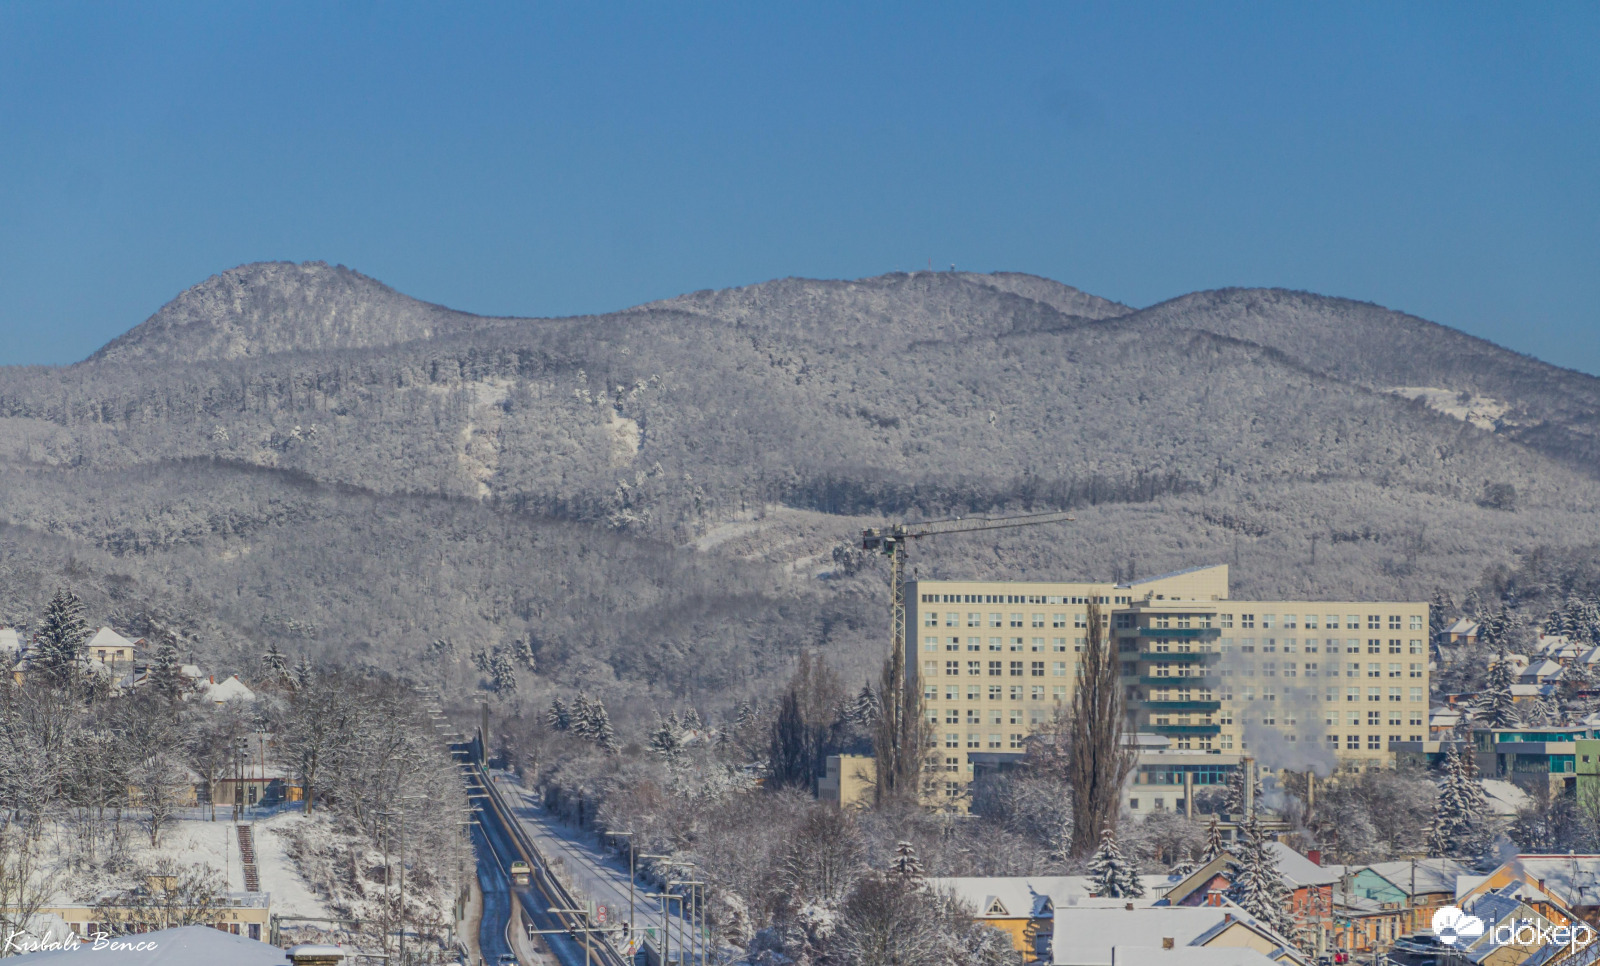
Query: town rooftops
x=1034 y=897
x=107 y=638
x=1430 y=875
x=1296 y=869
x=1097 y=936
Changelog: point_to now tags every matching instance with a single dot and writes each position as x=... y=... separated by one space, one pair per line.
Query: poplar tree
x=1099 y=760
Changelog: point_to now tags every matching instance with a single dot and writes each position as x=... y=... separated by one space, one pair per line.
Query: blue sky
x=1443 y=159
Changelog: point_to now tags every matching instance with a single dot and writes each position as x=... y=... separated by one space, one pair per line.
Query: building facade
x=1328 y=681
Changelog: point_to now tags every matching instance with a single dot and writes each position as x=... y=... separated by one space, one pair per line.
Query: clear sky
x=1440 y=158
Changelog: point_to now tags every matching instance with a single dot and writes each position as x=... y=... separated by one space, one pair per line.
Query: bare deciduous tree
x=1100 y=760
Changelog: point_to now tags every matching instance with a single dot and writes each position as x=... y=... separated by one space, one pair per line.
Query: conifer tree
x=1497 y=705
x=866 y=707
x=1257 y=884
x=906 y=866
x=1110 y=873
x=583 y=717
x=1236 y=798
x=1459 y=814
x=600 y=728
x=558 y=717
x=1213 y=842
x=166 y=673
x=59 y=642
x=275 y=664
x=666 y=739
x=303 y=672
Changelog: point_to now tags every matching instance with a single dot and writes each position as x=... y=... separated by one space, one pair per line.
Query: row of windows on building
x=953 y=619
x=1353 y=719
x=1310 y=669
x=996 y=692
x=976 y=716
x=997 y=669
x=1045 y=599
x=1291 y=645
x=1227 y=694
x=931 y=642
x=1373 y=622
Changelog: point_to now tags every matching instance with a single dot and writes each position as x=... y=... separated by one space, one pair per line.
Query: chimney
x=315 y=954
x=1315 y=855
x=1167 y=942
x=1128 y=906
x=1227 y=917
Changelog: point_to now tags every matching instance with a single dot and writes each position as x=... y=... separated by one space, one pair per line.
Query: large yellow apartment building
x=1291 y=681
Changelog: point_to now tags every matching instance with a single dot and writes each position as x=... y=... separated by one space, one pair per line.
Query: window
x=1058 y=693
x=994 y=620
x=1352 y=621
x=1416 y=694
x=1352 y=694
x=1374 y=742
x=1416 y=721
x=1247 y=620
x=1016 y=643
x=1080 y=620
x=994 y=741
x=1374 y=646
x=1352 y=742
x=1394 y=694
x=1333 y=742
x=1227 y=620
x=930 y=692
x=954 y=644
x=1037 y=644
x=1058 y=644
x=1036 y=693
x=1060 y=620
x=1394 y=645
x=952 y=741
x=974 y=620
x=1058 y=669
x=930 y=668
x=1311 y=622
x=1352 y=646
x=1269 y=621
x=1374 y=694
x=1374 y=621
x=1036 y=669
x=1415 y=647
x=1374 y=670
x=930 y=643
x=952 y=692
x=1394 y=669
x=952 y=716
x=974 y=667
x=1416 y=622
x=1016 y=669
x=1016 y=620
x=974 y=692
x=1133 y=804
x=930 y=619
x=994 y=643
x=1394 y=622
x=1038 y=620
x=994 y=669
x=974 y=740
x=952 y=619
x=1124 y=621
x=1353 y=718
x=994 y=692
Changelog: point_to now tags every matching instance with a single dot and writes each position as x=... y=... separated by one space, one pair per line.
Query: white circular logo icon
x=1451 y=926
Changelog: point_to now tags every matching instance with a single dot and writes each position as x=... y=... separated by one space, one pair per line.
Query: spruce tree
x=303 y=672
x=906 y=866
x=866 y=707
x=59 y=642
x=275 y=664
x=1111 y=874
x=666 y=740
x=1236 y=798
x=1213 y=842
x=558 y=717
x=1497 y=705
x=1257 y=884
x=583 y=717
x=1458 y=827
x=166 y=673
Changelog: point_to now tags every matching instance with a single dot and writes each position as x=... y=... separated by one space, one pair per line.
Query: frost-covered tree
x=58 y=645
x=1459 y=815
x=1111 y=874
x=303 y=672
x=1496 y=706
x=274 y=663
x=1213 y=842
x=864 y=710
x=666 y=739
x=502 y=674
x=1257 y=885
x=906 y=866
x=559 y=718
x=166 y=680
x=1235 y=801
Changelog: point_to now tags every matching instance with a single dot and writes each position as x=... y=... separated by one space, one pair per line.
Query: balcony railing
x=1179 y=657
x=1183 y=705
x=1196 y=677
x=1173 y=633
x=1188 y=729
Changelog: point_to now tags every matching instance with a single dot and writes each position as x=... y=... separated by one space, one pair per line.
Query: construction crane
x=892 y=541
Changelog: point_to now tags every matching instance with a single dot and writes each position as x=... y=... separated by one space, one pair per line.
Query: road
x=497 y=848
x=599 y=877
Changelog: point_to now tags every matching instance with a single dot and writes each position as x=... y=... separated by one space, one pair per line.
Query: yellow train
x=521 y=873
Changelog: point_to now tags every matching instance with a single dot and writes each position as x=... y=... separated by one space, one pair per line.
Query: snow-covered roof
x=1444 y=717
x=1520 y=690
x=1504 y=797
x=1591 y=656
x=1463 y=626
x=1087 y=936
x=1430 y=875
x=1033 y=896
x=107 y=638
x=192 y=671
x=1573 y=879
x=10 y=640
x=1190 y=956
x=1299 y=870
x=183 y=946
x=232 y=689
x=1543 y=670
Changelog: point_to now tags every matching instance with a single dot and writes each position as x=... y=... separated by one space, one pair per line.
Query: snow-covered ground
x=214 y=844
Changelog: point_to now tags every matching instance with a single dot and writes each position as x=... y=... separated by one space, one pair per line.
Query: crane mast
x=892 y=541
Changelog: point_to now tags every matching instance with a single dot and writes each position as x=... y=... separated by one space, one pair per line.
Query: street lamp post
x=696 y=941
x=666 y=922
x=585 y=914
x=629 y=837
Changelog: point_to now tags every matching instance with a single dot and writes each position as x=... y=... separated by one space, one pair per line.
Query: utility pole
x=629 y=837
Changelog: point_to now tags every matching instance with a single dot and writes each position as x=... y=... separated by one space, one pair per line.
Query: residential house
x=1443 y=722
x=112 y=649
x=1311 y=886
x=1098 y=936
x=1378 y=903
x=1542 y=671
x=1023 y=907
x=1463 y=631
x=232 y=689
x=1513 y=905
x=1566 y=884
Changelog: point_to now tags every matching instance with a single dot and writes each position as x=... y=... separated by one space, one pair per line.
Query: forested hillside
x=653 y=498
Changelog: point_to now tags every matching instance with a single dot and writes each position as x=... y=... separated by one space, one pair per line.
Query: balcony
x=1174 y=633
x=1183 y=706
x=1196 y=678
x=1188 y=729
x=1178 y=657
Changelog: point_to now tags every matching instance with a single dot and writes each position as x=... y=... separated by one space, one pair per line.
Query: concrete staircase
x=247 y=852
